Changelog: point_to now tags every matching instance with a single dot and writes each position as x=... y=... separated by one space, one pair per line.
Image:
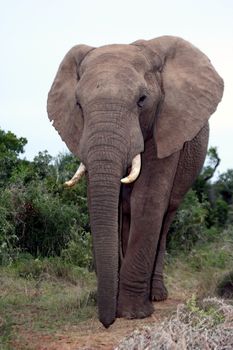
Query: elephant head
x=106 y=103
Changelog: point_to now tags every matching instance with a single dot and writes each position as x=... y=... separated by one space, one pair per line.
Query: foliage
x=224 y=186
x=202 y=184
x=8 y=238
x=36 y=221
x=211 y=164
x=10 y=148
x=202 y=258
x=37 y=214
x=40 y=217
x=219 y=214
x=79 y=249
x=189 y=224
x=206 y=209
x=202 y=268
x=225 y=286
x=208 y=311
x=28 y=267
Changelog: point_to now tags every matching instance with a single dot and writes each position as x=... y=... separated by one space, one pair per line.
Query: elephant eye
x=141 y=101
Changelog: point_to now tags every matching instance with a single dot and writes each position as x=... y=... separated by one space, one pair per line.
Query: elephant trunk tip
x=107 y=321
x=107 y=311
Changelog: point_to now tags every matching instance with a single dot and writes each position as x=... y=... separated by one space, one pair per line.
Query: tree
x=202 y=185
x=10 y=148
x=224 y=186
x=212 y=163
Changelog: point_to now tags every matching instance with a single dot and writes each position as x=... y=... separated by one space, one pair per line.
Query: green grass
x=43 y=298
x=50 y=294
x=200 y=270
x=6 y=332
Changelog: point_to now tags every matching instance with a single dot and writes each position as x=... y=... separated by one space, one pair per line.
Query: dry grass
x=45 y=303
x=209 y=326
x=200 y=270
x=47 y=298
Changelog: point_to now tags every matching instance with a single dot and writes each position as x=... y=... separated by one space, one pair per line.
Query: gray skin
x=109 y=104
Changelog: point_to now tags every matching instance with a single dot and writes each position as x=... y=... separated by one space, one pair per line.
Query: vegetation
x=194 y=326
x=45 y=242
x=37 y=214
x=42 y=295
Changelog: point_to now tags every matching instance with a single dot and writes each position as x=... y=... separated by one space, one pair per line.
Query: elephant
x=136 y=115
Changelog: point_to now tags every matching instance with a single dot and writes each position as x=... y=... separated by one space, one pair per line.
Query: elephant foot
x=158 y=291
x=134 y=307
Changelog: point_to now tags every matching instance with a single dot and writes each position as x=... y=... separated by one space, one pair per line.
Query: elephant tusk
x=135 y=170
x=77 y=176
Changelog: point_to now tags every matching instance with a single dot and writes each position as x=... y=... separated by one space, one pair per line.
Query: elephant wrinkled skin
x=111 y=104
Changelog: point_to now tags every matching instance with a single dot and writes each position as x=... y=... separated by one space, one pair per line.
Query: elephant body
x=141 y=108
x=161 y=187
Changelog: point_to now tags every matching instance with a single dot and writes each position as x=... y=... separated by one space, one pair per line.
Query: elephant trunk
x=105 y=165
x=108 y=146
x=104 y=199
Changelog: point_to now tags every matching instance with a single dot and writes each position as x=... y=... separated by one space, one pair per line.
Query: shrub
x=189 y=225
x=218 y=214
x=46 y=223
x=8 y=238
x=35 y=220
x=225 y=286
x=10 y=148
x=79 y=249
x=204 y=258
x=28 y=267
x=205 y=326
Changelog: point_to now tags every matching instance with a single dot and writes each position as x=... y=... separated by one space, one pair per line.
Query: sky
x=35 y=36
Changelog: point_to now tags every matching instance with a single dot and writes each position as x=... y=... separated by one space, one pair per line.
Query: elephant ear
x=61 y=105
x=192 y=90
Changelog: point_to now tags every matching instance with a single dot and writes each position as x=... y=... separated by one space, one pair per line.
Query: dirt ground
x=90 y=335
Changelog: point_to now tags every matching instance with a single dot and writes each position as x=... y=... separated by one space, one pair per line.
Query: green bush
x=204 y=258
x=221 y=212
x=43 y=222
x=10 y=148
x=36 y=221
x=28 y=267
x=230 y=215
x=49 y=223
x=218 y=214
x=225 y=286
x=8 y=237
x=79 y=249
x=189 y=225
x=39 y=216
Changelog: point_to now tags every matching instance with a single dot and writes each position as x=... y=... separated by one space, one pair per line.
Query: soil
x=90 y=335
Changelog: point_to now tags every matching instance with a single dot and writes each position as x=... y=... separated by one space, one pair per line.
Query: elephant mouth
x=133 y=175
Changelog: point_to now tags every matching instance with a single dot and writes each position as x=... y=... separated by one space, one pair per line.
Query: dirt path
x=90 y=335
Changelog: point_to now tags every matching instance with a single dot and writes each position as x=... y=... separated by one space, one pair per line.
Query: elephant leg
x=148 y=203
x=191 y=160
x=158 y=289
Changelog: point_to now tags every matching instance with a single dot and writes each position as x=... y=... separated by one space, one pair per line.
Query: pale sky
x=35 y=36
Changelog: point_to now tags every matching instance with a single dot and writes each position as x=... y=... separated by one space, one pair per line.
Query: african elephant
x=140 y=109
